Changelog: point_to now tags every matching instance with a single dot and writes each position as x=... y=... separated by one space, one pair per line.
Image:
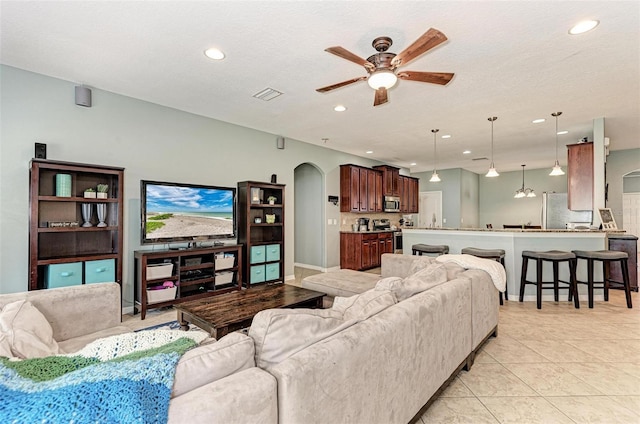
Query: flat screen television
x=176 y=212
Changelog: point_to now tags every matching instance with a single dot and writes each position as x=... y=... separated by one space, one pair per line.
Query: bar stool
x=495 y=254
x=606 y=257
x=555 y=257
x=438 y=249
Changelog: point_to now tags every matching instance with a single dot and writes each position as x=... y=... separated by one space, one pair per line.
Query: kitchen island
x=514 y=241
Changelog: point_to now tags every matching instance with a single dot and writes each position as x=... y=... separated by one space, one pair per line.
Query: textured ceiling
x=512 y=59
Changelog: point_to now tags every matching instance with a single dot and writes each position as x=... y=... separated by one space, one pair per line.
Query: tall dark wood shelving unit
x=56 y=235
x=263 y=242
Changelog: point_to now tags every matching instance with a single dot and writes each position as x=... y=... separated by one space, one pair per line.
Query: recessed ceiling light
x=563 y=132
x=446 y=136
x=412 y=164
x=214 y=54
x=369 y=152
x=583 y=27
x=339 y=108
x=538 y=121
x=466 y=152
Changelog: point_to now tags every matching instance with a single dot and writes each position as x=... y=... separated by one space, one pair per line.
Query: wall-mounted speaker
x=83 y=96
x=280 y=142
x=41 y=151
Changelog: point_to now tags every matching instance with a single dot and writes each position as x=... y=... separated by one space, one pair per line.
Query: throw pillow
x=26 y=331
x=364 y=305
x=279 y=333
x=214 y=361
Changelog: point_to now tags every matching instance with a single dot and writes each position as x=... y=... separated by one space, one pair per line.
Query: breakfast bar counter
x=514 y=241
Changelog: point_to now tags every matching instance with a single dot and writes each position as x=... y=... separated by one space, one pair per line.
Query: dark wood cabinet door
x=413 y=195
x=371 y=190
x=580 y=176
x=374 y=253
x=366 y=254
x=379 y=196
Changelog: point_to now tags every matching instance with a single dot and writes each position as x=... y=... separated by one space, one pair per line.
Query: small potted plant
x=102 y=191
x=272 y=200
x=90 y=193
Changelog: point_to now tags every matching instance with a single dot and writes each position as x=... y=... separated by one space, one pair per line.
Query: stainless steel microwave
x=391 y=204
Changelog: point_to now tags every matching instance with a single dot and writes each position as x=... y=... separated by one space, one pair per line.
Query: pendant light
x=492 y=170
x=434 y=178
x=524 y=192
x=557 y=170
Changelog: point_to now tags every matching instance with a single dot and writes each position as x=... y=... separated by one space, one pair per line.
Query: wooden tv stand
x=200 y=272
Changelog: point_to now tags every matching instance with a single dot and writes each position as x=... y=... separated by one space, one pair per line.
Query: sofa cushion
x=279 y=333
x=25 y=331
x=362 y=306
x=211 y=362
x=429 y=276
x=77 y=343
x=344 y=282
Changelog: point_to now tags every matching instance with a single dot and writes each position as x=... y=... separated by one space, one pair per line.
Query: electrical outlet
x=444 y=220
x=328 y=222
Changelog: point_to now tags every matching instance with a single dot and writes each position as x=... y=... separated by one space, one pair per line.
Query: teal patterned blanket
x=120 y=379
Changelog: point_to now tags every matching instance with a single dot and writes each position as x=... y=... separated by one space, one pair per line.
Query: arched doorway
x=309 y=238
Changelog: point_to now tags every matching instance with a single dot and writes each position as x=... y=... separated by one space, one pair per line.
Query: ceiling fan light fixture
x=382 y=78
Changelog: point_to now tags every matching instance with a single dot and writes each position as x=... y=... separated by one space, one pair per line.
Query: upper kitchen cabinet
x=390 y=180
x=580 y=176
x=360 y=189
x=408 y=194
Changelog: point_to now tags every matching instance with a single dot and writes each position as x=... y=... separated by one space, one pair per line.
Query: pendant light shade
x=556 y=170
x=434 y=178
x=492 y=170
x=524 y=192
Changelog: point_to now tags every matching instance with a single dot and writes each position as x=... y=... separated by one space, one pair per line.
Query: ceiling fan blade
x=441 y=78
x=338 y=85
x=426 y=42
x=346 y=54
x=381 y=97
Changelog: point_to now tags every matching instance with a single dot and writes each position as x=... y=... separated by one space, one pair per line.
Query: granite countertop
x=516 y=230
x=368 y=232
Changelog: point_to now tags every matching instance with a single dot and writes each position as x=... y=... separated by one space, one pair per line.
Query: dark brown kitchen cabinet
x=360 y=189
x=408 y=194
x=390 y=178
x=580 y=176
x=360 y=251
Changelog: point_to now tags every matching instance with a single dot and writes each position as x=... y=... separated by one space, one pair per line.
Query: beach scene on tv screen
x=179 y=211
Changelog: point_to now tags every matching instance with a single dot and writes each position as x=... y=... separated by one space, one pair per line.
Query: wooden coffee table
x=233 y=311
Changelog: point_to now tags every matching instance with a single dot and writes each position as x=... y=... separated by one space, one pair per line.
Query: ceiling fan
x=382 y=66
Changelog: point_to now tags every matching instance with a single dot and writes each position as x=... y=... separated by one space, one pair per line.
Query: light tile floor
x=554 y=365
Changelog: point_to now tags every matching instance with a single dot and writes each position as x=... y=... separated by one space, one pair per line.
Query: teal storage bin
x=272 y=271
x=273 y=252
x=102 y=271
x=257 y=254
x=257 y=274
x=63 y=275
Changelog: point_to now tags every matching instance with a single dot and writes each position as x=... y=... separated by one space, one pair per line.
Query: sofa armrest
x=249 y=396
x=77 y=310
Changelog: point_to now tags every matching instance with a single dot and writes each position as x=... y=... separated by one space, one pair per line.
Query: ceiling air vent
x=267 y=94
x=483 y=158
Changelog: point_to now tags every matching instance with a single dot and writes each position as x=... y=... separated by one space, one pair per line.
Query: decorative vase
x=101 y=209
x=63 y=185
x=86 y=215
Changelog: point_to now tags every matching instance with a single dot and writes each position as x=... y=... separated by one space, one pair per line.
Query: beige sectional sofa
x=379 y=356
